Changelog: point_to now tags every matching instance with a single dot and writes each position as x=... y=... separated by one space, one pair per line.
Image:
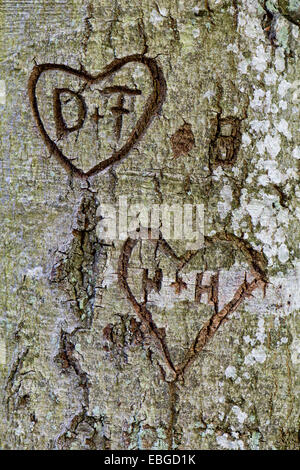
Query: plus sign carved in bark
x=152 y=107
x=257 y=268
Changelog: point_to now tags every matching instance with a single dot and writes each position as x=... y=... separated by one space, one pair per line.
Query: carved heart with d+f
x=152 y=107
x=256 y=262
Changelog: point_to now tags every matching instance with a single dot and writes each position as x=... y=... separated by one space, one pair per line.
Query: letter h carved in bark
x=151 y=284
x=212 y=290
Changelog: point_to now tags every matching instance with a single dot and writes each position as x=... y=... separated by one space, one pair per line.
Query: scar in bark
x=183 y=140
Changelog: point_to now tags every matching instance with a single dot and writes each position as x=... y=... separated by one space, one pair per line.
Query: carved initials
x=211 y=289
x=61 y=127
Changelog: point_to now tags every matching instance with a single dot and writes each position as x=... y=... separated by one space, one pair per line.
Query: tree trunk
x=140 y=339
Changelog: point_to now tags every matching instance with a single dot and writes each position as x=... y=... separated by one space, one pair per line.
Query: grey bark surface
x=142 y=345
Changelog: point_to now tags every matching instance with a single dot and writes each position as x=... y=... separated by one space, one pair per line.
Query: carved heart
x=256 y=263
x=152 y=107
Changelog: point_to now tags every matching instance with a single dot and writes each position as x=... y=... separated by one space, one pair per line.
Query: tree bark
x=135 y=341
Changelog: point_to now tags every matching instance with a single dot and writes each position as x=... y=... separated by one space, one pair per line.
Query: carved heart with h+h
x=256 y=264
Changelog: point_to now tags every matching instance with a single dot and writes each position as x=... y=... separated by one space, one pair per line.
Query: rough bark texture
x=141 y=344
